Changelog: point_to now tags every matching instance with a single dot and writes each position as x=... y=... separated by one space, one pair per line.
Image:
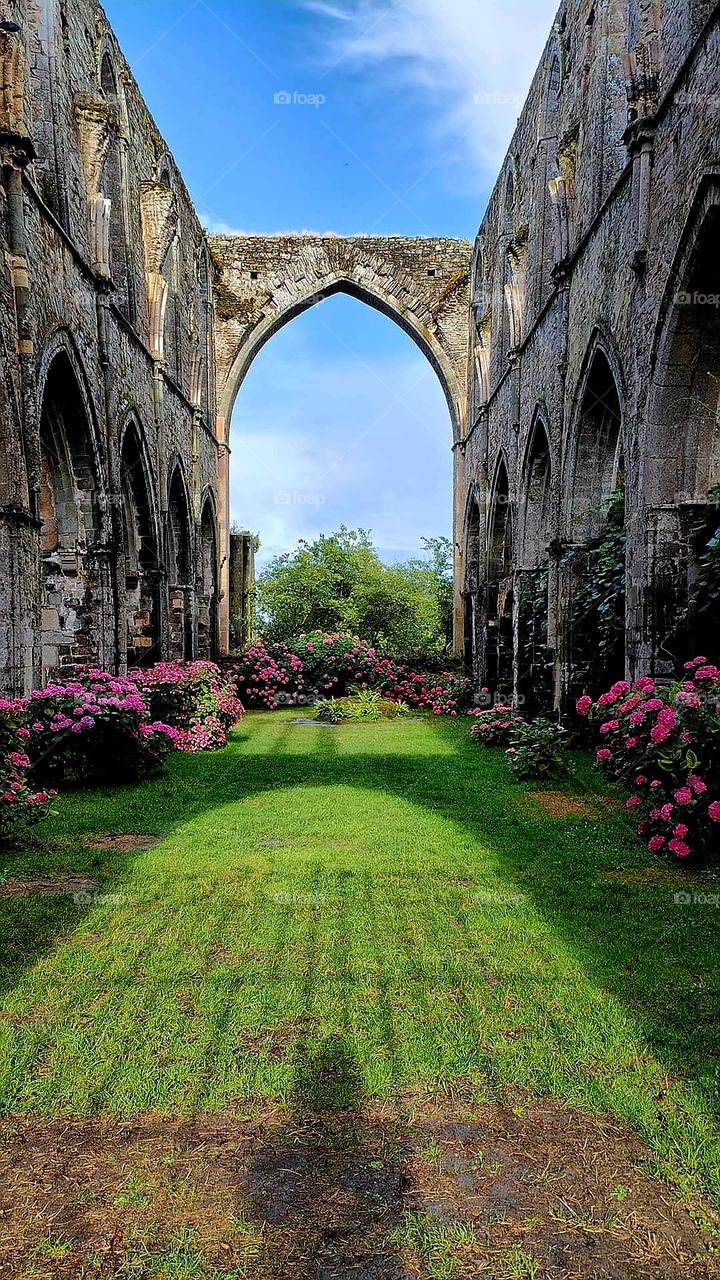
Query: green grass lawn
x=383 y=888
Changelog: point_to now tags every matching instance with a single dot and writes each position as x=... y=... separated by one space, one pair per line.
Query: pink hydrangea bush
x=94 y=728
x=494 y=727
x=22 y=804
x=444 y=693
x=330 y=665
x=663 y=744
x=197 y=699
x=269 y=677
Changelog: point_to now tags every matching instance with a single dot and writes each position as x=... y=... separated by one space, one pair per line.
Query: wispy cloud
x=467 y=63
x=318 y=440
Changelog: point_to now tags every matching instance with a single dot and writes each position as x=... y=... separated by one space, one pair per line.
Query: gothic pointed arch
x=74 y=565
x=472 y=546
x=140 y=527
x=682 y=447
x=595 y=462
x=208 y=579
x=534 y=660
x=594 y=566
x=179 y=562
x=500 y=607
x=112 y=184
x=535 y=494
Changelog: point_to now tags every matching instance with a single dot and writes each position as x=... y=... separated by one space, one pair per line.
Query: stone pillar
x=224 y=539
x=242 y=579
x=459 y=499
x=20 y=619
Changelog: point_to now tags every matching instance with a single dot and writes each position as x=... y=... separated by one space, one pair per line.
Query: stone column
x=20 y=620
x=224 y=539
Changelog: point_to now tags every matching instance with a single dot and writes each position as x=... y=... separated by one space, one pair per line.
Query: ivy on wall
x=535 y=661
x=597 y=606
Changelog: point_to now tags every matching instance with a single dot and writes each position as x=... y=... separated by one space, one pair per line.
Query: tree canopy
x=339 y=583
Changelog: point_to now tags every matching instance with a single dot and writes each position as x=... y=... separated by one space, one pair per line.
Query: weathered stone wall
x=117 y=333
x=578 y=345
x=592 y=233
x=262 y=282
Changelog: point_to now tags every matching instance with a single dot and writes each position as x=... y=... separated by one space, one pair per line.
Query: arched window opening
x=172 y=343
x=179 y=567
x=553 y=87
x=112 y=188
x=142 y=604
x=471 y=590
x=537 y=499
x=684 y=459
x=596 y=563
x=108 y=82
x=535 y=661
x=208 y=584
x=73 y=585
x=599 y=461
x=500 y=592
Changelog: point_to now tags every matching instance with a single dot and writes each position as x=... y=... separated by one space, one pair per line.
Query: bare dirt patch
x=122 y=843
x=650 y=876
x=46 y=886
x=558 y=804
x=379 y=1192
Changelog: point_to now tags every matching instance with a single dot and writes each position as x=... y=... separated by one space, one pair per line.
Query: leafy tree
x=339 y=583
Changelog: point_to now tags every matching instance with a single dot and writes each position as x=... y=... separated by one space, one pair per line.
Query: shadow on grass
x=327 y=1186
x=632 y=940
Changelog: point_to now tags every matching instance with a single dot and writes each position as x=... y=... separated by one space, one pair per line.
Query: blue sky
x=341 y=419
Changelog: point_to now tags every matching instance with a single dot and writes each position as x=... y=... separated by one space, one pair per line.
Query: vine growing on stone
x=597 y=609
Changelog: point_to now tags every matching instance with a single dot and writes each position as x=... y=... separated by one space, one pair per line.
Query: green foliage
x=535 y=659
x=365 y=704
x=536 y=750
x=339 y=583
x=597 y=615
x=330 y=711
x=704 y=599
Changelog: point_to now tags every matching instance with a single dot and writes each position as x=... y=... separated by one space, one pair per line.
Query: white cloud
x=468 y=63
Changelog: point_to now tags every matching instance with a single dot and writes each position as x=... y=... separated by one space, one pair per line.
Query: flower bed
x=197 y=699
x=494 y=727
x=21 y=803
x=329 y=665
x=94 y=728
x=663 y=744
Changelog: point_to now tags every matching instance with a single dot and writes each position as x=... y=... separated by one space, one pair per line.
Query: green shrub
x=536 y=750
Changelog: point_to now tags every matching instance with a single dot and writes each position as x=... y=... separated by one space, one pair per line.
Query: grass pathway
x=383 y=894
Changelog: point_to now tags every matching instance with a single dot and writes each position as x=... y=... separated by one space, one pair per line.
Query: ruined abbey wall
x=109 y=516
x=577 y=341
x=594 y=354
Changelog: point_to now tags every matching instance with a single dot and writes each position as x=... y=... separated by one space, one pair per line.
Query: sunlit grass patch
x=387 y=884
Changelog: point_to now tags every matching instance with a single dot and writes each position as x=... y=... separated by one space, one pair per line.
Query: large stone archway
x=263 y=282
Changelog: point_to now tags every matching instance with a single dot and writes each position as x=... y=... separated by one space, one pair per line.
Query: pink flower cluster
x=93 y=727
x=329 y=664
x=663 y=744
x=198 y=699
x=493 y=727
x=21 y=803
